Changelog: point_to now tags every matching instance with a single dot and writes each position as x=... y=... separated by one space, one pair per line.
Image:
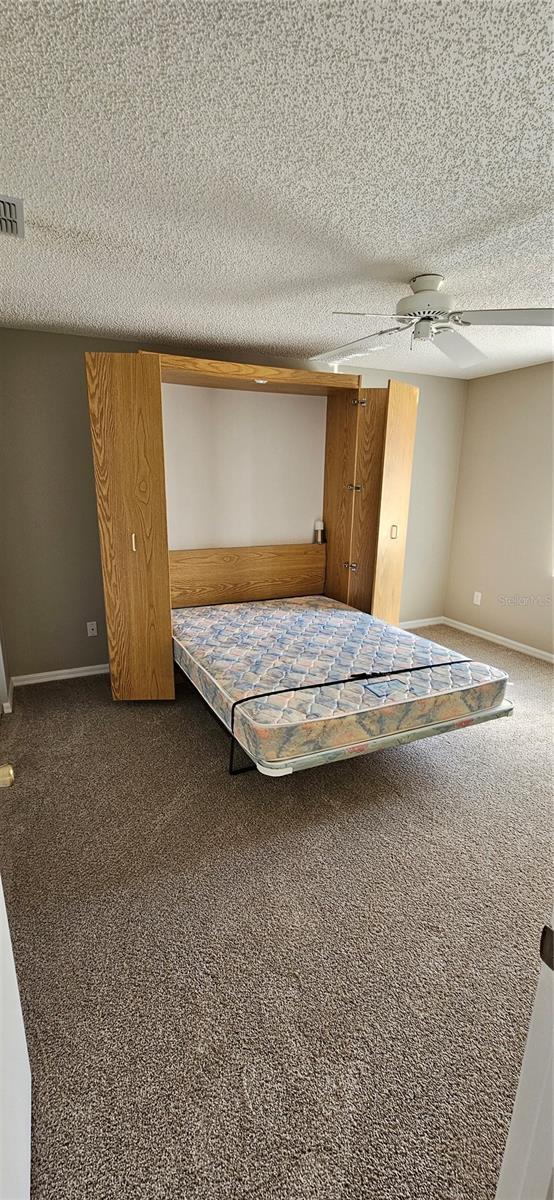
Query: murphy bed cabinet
x=368 y=465
x=368 y=470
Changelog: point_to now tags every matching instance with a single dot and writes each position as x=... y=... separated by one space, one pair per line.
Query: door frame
x=528 y=1164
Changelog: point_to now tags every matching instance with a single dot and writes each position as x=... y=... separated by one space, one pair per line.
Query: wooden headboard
x=226 y=575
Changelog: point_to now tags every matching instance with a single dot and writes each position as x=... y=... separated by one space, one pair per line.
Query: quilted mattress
x=233 y=651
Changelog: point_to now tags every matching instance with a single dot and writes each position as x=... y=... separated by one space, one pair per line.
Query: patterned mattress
x=232 y=651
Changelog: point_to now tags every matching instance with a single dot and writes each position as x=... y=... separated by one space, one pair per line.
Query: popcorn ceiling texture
x=223 y=175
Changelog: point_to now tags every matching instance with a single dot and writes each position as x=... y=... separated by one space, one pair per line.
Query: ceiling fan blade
x=507 y=316
x=351 y=349
x=458 y=349
x=337 y=312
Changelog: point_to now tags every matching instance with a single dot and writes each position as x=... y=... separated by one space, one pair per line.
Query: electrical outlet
x=477 y=597
x=92 y=629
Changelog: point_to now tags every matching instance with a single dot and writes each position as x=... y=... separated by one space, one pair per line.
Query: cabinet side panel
x=125 y=415
x=369 y=474
x=144 y=473
x=111 y=516
x=340 y=457
x=395 y=500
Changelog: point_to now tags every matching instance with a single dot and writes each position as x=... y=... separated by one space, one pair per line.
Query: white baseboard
x=7 y=705
x=481 y=633
x=502 y=641
x=420 y=624
x=70 y=673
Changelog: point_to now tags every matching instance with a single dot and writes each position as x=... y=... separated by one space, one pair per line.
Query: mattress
x=232 y=652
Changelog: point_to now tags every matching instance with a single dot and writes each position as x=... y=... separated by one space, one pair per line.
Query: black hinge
x=547 y=947
x=360 y=403
x=353 y=487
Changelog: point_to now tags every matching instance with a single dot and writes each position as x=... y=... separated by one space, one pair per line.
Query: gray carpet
x=314 y=987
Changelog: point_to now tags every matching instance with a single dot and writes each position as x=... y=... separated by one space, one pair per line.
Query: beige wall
x=440 y=424
x=50 y=580
x=502 y=535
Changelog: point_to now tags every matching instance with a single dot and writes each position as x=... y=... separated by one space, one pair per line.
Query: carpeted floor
x=314 y=987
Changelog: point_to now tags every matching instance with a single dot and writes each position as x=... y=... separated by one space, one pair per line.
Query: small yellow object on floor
x=7 y=775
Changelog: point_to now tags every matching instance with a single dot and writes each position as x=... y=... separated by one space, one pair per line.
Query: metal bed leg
x=233 y=770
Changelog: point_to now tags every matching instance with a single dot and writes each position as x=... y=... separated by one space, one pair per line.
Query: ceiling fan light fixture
x=423 y=330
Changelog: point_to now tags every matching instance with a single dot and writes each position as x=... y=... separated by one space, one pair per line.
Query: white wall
x=439 y=430
x=242 y=468
x=502 y=537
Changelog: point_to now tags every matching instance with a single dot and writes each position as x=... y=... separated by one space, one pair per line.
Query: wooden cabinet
x=127 y=442
x=340 y=470
x=368 y=468
x=398 y=452
x=368 y=462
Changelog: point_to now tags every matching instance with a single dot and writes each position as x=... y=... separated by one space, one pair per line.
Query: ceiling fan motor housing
x=428 y=299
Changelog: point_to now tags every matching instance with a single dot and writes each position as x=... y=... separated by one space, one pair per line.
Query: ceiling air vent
x=11 y=216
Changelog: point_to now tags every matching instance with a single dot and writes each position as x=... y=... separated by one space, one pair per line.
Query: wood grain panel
x=127 y=441
x=395 y=500
x=226 y=575
x=338 y=501
x=208 y=372
x=369 y=472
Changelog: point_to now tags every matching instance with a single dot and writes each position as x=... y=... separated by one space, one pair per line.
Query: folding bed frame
x=370 y=436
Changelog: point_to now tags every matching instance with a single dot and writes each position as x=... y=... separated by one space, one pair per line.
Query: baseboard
x=487 y=636
x=420 y=624
x=501 y=641
x=50 y=676
x=7 y=705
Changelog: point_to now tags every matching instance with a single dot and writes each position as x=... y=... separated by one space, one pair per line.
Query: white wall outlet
x=476 y=597
x=92 y=629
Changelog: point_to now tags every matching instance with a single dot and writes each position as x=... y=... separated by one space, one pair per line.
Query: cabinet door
x=395 y=500
x=127 y=441
x=372 y=418
x=340 y=459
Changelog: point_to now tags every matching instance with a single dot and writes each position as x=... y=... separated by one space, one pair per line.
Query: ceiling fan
x=431 y=316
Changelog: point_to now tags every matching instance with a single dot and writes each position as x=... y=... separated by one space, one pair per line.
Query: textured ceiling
x=221 y=175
